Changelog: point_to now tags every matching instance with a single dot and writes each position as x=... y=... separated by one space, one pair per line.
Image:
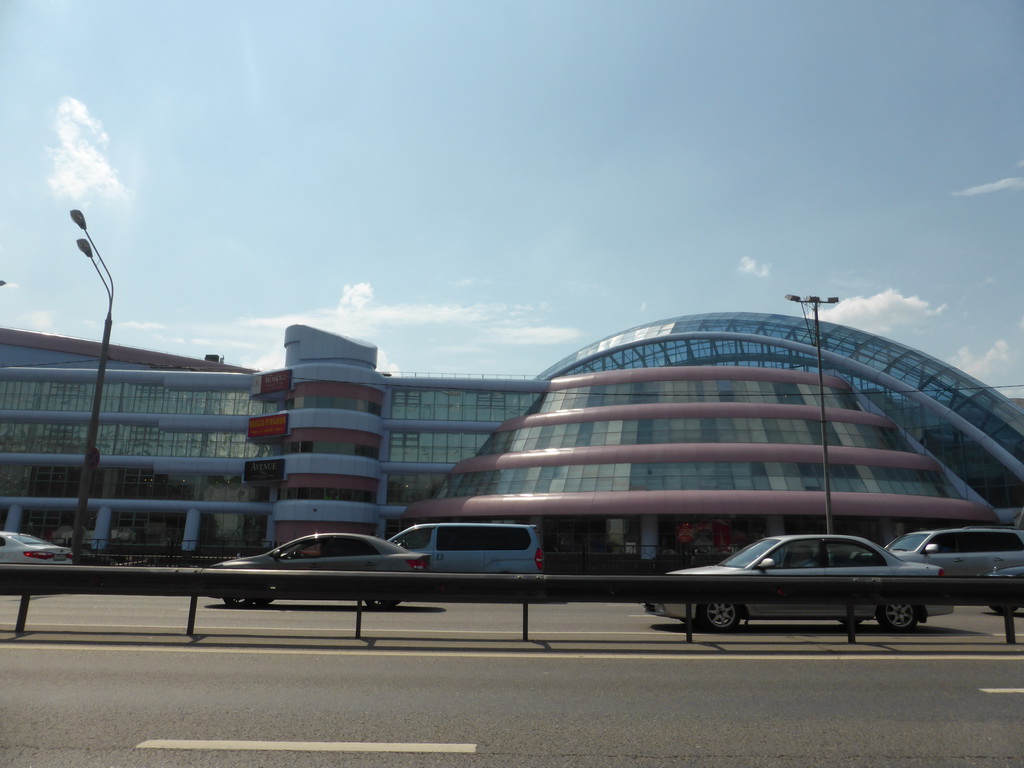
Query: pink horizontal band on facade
x=695 y=452
x=355 y=436
x=315 y=480
x=716 y=410
x=703 y=503
x=338 y=389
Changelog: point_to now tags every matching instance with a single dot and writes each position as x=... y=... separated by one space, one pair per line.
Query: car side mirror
x=931 y=549
x=766 y=563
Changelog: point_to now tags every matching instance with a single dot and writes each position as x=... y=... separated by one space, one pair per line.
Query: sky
x=484 y=187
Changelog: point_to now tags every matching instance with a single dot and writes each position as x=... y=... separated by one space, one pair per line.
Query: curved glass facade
x=918 y=383
x=714 y=391
x=693 y=430
x=698 y=476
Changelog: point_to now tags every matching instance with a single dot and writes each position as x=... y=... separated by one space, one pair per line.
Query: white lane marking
x=346 y=632
x=1001 y=690
x=304 y=746
x=669 y=653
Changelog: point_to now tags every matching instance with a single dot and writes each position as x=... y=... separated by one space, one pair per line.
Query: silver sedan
x=820 y=555
x=334 y=552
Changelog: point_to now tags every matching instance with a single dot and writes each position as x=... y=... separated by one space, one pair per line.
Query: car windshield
x=907 y=543
x=749 y=554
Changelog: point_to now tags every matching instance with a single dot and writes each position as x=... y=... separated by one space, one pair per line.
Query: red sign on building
x=278 y=381
x=268 y=426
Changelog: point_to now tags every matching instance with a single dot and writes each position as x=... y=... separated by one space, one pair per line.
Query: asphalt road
x=97 y=682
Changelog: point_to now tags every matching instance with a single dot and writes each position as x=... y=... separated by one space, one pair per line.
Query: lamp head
x=791 y=297
x=84 y=247
x=78 y=218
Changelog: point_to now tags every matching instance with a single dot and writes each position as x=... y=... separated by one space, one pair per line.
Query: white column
x=191 y=535
x=13 y=523
x=648 y=537
x=101 y=534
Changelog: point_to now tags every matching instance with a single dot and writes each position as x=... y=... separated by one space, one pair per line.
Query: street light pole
x=815 y=303
x=92 y=456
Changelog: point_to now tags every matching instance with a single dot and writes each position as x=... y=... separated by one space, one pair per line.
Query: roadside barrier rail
x=28 y=581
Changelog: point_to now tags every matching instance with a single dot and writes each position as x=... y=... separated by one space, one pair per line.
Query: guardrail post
x=526 y=621
x=1008 y=625
x=19 y=627
x=192 y=603
x=851 y=625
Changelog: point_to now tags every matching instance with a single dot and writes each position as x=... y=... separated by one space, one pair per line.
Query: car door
x=341 y=553
x=458 y=549
x=796 y=557
x=943 y=550
x=982 y=551
x=851 y=558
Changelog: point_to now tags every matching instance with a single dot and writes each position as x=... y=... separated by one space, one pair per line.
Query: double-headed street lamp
x=92 y=454
x=816 y=302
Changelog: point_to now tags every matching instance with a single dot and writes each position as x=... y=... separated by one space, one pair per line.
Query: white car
x=28 y=550
x=816 y=555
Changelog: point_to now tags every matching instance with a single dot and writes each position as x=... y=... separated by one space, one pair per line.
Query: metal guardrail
x=27 y=581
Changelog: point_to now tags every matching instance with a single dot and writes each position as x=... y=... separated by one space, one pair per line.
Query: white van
x=476 y=547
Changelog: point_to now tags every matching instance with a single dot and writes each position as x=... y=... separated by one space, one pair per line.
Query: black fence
x=166 y=555
x=29 y=580
x=601 y=564
x=564 y=563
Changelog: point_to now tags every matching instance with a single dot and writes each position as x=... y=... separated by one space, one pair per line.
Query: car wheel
x=896 y=617
x=719 y=617
x=382 y=605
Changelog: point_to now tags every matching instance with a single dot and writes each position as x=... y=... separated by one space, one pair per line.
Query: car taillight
x=39 y=555
x=942 y=571
x=538 y=558
x=419 y=564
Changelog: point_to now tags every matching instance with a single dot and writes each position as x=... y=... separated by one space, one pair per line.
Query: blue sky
x=486 y=186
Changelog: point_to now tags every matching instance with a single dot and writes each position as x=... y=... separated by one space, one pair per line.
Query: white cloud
x=882 y=312
x=1004 y=185
x=139 y=326
x=984 y=365
x=358 y=315
x=36 y=321
x=749 y=266
x=541 y=334
x=79 y=166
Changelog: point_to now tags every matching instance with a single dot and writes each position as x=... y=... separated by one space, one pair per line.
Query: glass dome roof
x=747 y=338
